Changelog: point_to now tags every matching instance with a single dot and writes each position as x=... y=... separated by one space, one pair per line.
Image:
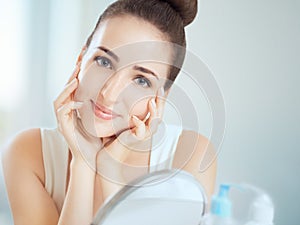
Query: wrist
x=81 y=165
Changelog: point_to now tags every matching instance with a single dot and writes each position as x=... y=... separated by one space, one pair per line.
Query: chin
x=101 y=128
x=110 y=128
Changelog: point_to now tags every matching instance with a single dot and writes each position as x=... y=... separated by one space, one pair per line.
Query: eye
x=142 y=81
x=104 y=62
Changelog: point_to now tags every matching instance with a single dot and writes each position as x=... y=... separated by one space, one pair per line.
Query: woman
x=107 y=115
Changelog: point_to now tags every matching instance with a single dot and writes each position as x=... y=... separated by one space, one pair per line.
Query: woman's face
x=122 y=69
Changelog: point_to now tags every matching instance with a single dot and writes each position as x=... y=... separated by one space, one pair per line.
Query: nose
x=110 y=93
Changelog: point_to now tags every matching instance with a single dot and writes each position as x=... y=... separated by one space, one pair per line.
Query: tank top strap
x=164 y=144
x=55 y=157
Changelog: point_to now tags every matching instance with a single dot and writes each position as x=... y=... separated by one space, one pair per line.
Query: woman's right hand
x=82 y=146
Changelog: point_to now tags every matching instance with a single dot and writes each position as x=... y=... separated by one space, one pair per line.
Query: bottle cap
x=221 y=204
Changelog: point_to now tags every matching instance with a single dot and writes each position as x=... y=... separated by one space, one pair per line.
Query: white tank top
x=55 y=157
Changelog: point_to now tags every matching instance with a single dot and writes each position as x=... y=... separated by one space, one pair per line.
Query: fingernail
x=73 y=81
x=147 y=117
x=153 y=102
x=135 y=117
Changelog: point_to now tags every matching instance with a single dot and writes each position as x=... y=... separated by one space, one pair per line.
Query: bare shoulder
x=24 y=151
x=23 y=169
x=196 y=155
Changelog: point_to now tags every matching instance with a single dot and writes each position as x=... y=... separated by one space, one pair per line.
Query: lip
x=103 y=112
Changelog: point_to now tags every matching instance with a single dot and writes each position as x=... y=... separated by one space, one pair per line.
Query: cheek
x=91 y=81
x=140 y=108
x=135 y=100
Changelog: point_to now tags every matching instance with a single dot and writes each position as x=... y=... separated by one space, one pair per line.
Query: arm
x=23 y=172
x=79 y=201
x=30 y=202
x=78 y=205
x=189 y=154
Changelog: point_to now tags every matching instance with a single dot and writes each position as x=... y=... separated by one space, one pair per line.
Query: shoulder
x=196 y=155
x=23 y=170
x=192 y=147
x=198 y=142
x=24 y=151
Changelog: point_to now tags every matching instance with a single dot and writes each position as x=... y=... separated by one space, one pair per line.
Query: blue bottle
x=221 y=207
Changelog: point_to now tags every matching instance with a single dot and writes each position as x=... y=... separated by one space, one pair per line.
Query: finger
x=74 y=73
x=74 y=76
x=146 y=117
x=78 y=65
x=154 y=119
x=140 y=127
x=65 y=94
x=66 y=109
x=152 y=110
x=160 y=102
x=64 y=112
x=82 y=52
x=130 y=141
x=152 y=107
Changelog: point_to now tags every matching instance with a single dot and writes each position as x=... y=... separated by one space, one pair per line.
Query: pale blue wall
x=253 y=49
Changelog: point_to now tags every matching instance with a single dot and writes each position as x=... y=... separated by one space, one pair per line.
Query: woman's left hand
x=136 y=137
x=136 y=141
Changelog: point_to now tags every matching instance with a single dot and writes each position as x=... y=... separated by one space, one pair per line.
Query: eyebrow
x=109 y=52
x=139 y=68
x=144 y=70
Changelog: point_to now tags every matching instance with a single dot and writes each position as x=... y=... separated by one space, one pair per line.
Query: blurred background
x=252 y=48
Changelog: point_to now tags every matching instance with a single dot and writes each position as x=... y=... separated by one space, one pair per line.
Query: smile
x=102 y=112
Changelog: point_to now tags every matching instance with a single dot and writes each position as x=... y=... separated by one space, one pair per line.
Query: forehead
x=133 y=40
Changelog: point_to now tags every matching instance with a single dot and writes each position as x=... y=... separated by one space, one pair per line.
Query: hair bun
x=187 y=9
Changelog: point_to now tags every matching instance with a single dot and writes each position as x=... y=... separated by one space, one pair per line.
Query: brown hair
x=169 y=16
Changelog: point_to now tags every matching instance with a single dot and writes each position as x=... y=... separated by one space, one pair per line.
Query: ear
x=79 y=59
